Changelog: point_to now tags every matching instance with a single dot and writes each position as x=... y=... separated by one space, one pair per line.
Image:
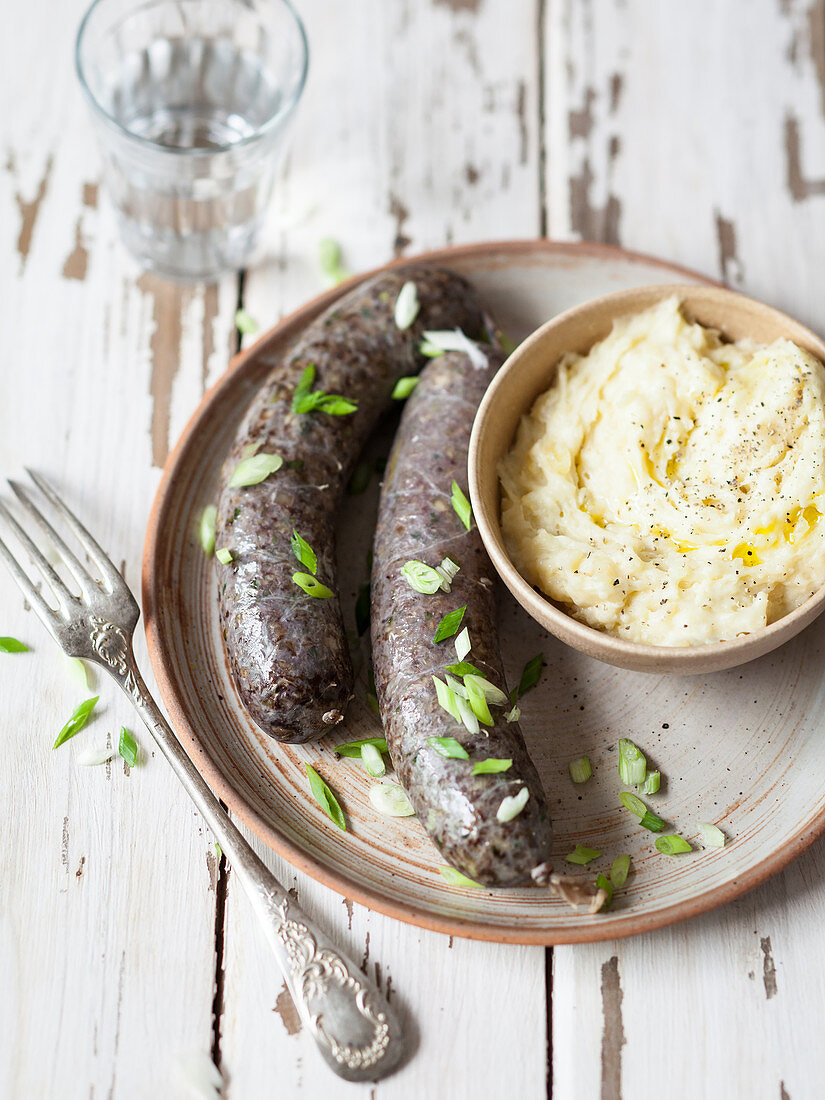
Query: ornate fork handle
x=349 y=1018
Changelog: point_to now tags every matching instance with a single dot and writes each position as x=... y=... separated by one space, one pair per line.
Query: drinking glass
x=190 y=101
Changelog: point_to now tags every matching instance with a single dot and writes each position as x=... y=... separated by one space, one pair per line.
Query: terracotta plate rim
x=597 y=929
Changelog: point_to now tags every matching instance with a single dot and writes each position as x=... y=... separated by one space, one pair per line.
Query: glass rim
x=147 y=143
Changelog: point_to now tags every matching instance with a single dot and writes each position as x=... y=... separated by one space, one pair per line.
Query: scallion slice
x=449 y=624
x=491 y=766
x=304 y=553
x=455 y=878
x=404 y=387
x=582 y=855
x=207 y=529
x=513 y=714
x=652 y=822
x=461 y=506
x=91 y=758
x=462 y=644
x=463 y=668
x=653 y=780
x=12 y=645
x=673 y=845
x=224 y=555
x=390 y=799
x=77 y=721
x=323 y=795
x=712 y=835
x=580 y=769
x=449 y=748
x=467 y=714
x=619 y=871
x=127 y=747
x=632 y=763
x=603 y=883
x=447 y=571
x=254 y=470
x=429 y=349
x=447 y=698
x=373 y=761
x=512 y=805
x=407 y=306
x=329 y=257
x=458 y=688
x=478 y=700
x=244 y=323
x=490 y=692
x=529 y=677
x=456 y=340
x=79 y=671
x=353 y=748
x=423 y=578
x=307 y=400
x=633 y=803
x=312 y=586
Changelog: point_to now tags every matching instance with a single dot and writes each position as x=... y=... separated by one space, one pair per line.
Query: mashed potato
x=668 y=488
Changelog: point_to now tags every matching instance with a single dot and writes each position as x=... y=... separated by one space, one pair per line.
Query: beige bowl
x=529 y=372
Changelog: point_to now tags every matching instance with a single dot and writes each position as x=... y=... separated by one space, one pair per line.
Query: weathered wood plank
x=434 y=140
x=681 y=131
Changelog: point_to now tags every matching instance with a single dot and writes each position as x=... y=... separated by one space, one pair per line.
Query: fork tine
x=61 y=592
x=47 y=615
x=103 y=563
x=70 y=560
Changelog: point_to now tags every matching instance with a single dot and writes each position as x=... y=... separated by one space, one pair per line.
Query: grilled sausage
x=417 y=522
x=287 y=650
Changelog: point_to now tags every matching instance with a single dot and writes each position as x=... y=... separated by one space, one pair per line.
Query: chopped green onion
x=12 y=645
x=354 y=748
x=673 y=845
x=477 y=700
x=254 y=470
x=390 y=799
x=491 y=766
x=456 y=340
x=632 y=763
x=463 y=668
x=304 y=553
x=244 y=323
x=429 y=349
x=218 y=850
x=306 y=400
x=652 y=822
x=373 y=761
x=712 y=835
x=512 y=805
x=91 y=758
x=619 y=871
x=447 y=698
x=603 y=883
x=406 y=306
x=333 y=404
x=529 y=677
x=79 y=671
x=449 y=747
x=449 y=624
x=457 y=686
x=513 y=714
x=224 y=556
x=304 y=386
x=360 y=480
x=312 y=586
x=207 y=529
x=580 y=769
x=323 y=795
x=455 y=878
x=404 y=387
x=582 y=856
x=127 y=747
x=77 y=721
x=362 y=609
x=462 y=644
x=653 y=780
x=490 y=692
x=447 y=571
x=329 y=257
x=633 y=803
x=461 y=506
x=467 y=714
x=423 y=578
x=508 y=344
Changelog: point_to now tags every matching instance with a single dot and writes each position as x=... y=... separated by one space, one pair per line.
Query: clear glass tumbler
x=190 y=100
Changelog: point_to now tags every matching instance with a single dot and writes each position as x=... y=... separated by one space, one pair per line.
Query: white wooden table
x=694 y=131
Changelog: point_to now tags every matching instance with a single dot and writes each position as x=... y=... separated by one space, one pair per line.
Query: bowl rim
x=608 y=647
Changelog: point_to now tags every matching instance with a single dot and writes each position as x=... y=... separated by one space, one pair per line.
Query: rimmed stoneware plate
x=742 y=748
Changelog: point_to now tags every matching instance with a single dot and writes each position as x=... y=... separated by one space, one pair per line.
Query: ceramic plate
x=742 y=748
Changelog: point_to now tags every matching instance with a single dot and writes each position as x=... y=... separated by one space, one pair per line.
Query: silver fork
x=355 y=1029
